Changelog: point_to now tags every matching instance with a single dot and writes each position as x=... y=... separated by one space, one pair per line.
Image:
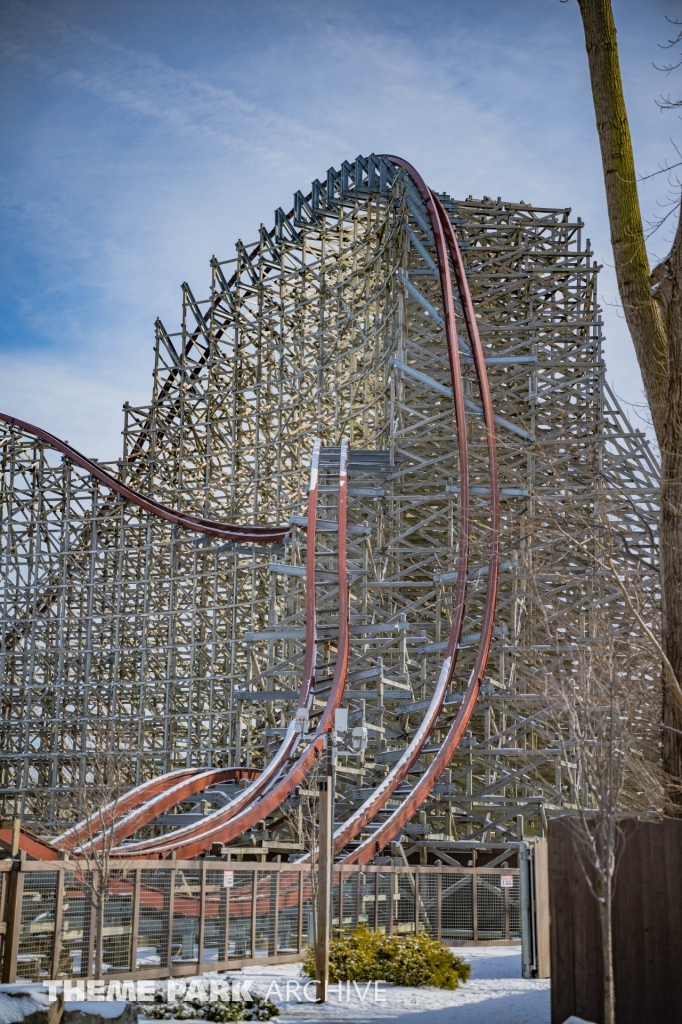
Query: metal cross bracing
x=137 y=646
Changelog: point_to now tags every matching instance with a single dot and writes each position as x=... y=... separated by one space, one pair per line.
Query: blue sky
x=139 y=138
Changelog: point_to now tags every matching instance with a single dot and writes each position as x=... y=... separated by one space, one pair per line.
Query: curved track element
x=276 y=782
x=152 y=798
x=226 y=531
x=391 y=828
x=132 y=822
x=364 y=814
x=197 y=838
x=133 y=798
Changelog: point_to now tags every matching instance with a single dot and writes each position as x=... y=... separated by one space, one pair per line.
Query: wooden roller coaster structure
x=194 y=616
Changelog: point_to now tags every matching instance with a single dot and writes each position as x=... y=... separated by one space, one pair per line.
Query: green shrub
x=414 y=960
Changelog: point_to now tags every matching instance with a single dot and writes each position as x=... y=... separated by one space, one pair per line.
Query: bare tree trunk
x=627 y=236
x=605 y=899
x=653 y=310
x=99 y=927
x=667 y=283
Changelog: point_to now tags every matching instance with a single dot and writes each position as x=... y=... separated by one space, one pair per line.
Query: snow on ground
x=495 y=994
x=110 y=1009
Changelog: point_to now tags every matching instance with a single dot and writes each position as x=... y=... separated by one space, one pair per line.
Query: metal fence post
x=202 y=916
x=417 y=902
x=300 y=911
x=392 y=893
x=58 y=917
x=275 y=926
x=541 y=890
x=528 y=945
x=171 y=910
x=254 y=911
x=474 y=903
x=324 y=877
x=135 y=921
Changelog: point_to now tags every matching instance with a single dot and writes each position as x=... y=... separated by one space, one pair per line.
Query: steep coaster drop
x=279 y=779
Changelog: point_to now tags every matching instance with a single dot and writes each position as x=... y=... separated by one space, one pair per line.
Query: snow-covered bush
x=410 y=960
x=217 y=1010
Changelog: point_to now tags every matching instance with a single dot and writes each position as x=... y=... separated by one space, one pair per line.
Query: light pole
x=325 y=855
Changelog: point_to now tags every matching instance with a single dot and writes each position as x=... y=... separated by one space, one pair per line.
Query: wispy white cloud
x=77 y=402
x=142 y=84
x=127 y=163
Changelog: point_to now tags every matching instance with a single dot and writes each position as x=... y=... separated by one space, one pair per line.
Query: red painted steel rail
x=392 y=827
x=364 y=814
x=154 y=796
x=275 y=783
x=146 y=813
x=446 y=245
x=226 y=531
x=214 y=828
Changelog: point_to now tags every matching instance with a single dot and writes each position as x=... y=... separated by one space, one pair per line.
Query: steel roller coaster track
x=279 y=778
x=277 y=781
x=383 y=813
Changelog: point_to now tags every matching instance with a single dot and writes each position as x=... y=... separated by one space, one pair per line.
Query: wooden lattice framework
x=126 y=639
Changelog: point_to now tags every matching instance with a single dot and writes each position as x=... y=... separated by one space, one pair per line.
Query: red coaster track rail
x=269 y=788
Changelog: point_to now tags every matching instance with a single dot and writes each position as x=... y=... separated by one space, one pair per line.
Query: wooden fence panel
x=647 y=927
